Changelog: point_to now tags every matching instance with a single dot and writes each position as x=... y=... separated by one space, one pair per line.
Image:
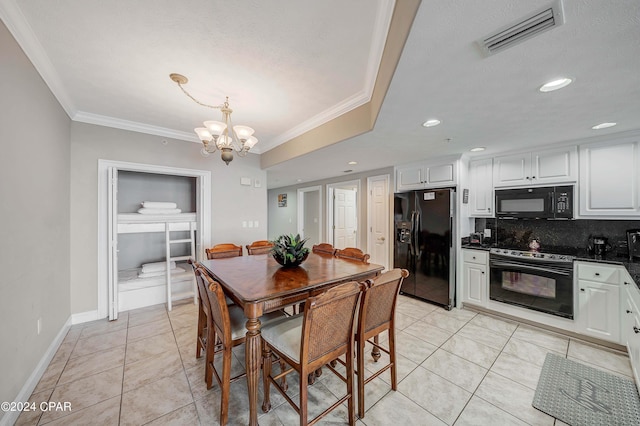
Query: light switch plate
x=246 y=181
x=257 y=183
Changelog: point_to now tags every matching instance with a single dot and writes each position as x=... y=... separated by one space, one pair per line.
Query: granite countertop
x=476 y=247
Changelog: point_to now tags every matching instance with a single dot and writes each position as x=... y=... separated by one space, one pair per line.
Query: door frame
x=203 y=215
x=370 y=242
x=301 y=195
x=330 y=212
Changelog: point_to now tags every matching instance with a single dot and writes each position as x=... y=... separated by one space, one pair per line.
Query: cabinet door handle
x=582 y=289
x=629 y=312
x=474 y=257
x=597 y=274
x=482 y=272
x=636 y=329
x=533 y=177
x=626 y=283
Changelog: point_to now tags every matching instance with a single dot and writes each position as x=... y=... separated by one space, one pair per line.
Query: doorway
x=310 y=214
x=343 y=203
x=378 y=219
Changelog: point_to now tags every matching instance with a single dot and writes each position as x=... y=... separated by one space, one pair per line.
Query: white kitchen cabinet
x=609 y=178
x=599 y=301
x=421 y=176
x=481 y=188
x=631 y=328
x=475 y=282
x=550 y=167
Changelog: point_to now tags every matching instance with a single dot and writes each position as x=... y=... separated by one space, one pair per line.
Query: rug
x=581 y=395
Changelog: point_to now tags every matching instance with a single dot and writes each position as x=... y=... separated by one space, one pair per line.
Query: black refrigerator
x=423 y=244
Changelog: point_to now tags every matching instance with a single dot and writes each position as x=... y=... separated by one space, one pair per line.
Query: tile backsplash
x=567 y=233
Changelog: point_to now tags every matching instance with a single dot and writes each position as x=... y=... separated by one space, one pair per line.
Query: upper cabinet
x=481 y=188
x=419 y=176
x=536 y=168
x=609 y=178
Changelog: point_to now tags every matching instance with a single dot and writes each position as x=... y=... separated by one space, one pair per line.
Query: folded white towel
x=157 y=266
x=159 y=205
x=159 y=273
x=158 y=211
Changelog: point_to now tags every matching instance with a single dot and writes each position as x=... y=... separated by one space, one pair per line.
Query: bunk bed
x=137 y=289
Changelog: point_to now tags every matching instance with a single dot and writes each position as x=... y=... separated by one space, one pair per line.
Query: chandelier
x=220 y=135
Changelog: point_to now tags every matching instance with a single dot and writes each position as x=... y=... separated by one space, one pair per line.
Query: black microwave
x=549 y=202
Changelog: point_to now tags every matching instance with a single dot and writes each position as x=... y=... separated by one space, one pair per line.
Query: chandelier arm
x=197 y=101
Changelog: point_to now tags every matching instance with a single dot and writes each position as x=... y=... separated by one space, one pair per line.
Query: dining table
x=260 y=285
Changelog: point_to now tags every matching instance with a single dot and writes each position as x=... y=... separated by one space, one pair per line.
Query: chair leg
x=392 y=358
x=360 y=373
x=266 y=372
x=201 y=332
x=283 y=382
x=304 y=395
x=210 y=352
x=350 y=403
x=226 y=384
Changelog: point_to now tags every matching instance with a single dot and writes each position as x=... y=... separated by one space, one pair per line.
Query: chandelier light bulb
x=250 y=142
x=243 y=132
x=203 y=134
x=215 y=127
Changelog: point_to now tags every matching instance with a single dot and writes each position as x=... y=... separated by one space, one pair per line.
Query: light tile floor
x=455 y=367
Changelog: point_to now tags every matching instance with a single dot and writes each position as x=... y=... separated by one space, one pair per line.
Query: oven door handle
x=529 y=268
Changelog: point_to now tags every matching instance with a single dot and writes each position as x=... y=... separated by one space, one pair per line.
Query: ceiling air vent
x=527 y=27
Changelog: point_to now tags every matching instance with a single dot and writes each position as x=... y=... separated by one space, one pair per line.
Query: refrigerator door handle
x=416 y=232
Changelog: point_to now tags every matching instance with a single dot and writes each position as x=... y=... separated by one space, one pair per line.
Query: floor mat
x=581 y=395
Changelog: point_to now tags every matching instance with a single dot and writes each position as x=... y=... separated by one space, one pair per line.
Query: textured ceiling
x=289 y=64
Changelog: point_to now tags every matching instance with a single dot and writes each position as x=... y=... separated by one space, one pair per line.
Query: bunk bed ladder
x=192 y=245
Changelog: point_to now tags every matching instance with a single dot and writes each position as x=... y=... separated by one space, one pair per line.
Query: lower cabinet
x=599 y=300
x=475 y=268
x=631 y=327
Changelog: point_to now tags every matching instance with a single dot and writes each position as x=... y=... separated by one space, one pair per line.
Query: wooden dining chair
x=307 y=342
x=376 y=315
x=259 y=247
x=203 y=311
x=220 y=251
x=353 y=254
x=226 y=327
x=323 y=248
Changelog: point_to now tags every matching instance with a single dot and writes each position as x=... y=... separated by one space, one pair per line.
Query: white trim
x=10 y=417
x=330 y=188
x=117 y=123
x=300 y=198
x=203 y=215
x=83 y=317
x=16 y=22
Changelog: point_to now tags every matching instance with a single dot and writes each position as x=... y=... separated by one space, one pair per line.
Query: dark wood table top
x=259 y=277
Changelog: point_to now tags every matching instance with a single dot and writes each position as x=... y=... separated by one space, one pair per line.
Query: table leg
x=375 y=352
x=252 y=360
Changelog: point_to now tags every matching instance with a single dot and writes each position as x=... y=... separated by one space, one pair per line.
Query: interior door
x=344 y=218
x=112 y=224
x=378 y=241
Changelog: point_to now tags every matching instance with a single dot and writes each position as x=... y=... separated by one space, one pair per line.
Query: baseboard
x=84 y=317
x=10 y=417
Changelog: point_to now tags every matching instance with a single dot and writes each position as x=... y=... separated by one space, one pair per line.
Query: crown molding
x=343 y=107
x=103 y=120
x=17 y=24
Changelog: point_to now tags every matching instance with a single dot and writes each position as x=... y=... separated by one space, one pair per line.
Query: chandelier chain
x=197 y=101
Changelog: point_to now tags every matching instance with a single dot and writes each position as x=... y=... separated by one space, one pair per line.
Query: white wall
x=231 y=202
x=34 y=209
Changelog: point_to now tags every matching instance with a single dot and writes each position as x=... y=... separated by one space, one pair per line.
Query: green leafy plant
x=289 y=250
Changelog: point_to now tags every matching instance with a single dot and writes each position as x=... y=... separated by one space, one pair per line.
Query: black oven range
x=539 y=281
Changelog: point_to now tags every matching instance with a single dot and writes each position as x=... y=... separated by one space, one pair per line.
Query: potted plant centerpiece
x=289 y=250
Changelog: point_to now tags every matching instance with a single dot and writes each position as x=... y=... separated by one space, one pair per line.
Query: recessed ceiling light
x=431 y=123
x=352 y=163
x=556 y=84
x=299 y=180
x=347 y=171
x=478 y=149
x=603 y=126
